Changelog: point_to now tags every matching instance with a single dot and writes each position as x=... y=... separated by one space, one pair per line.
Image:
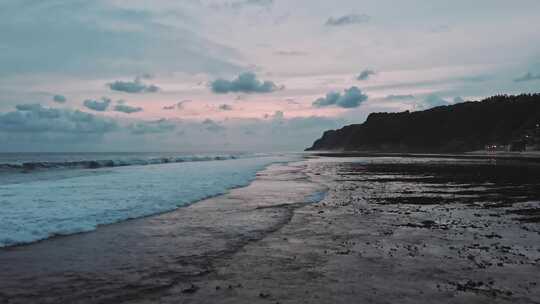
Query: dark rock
x=192 y=289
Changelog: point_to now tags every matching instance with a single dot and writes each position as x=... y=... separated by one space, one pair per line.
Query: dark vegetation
x=468 y=126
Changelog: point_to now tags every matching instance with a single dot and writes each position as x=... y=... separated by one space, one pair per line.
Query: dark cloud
x=277 y=120
x=124 y=108
x=212 y=126
x=225 y=107
x=351 y=98
x=152 y=127
x=136 y=86
x=96 y=105
x=179 y=105
x=37 y=108
x=365 y=74
x=278 y=115
x=244 y=83
x=34 y=118
x=399 y=97
x=528 y=77
x=348 y=19
x=59 y=98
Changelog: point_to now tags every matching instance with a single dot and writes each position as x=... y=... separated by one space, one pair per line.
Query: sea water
x=44 y=196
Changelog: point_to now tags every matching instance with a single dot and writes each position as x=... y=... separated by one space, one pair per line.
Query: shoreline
x=512 y=156
x=365 y=243
x=64 y=203
x=385 y=232
x=127 y=220
x=127 y=260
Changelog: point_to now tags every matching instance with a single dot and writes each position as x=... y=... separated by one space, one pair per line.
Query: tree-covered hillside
x=461 y=127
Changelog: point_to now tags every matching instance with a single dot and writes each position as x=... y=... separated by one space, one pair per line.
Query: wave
x=42 y=209
x=109 y=163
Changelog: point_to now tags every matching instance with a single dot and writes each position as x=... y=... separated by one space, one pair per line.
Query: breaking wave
x=109 y=163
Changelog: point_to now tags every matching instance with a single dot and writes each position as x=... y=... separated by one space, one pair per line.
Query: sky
x=246 y=75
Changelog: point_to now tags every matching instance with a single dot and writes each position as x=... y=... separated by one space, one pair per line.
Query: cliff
x=461 y=127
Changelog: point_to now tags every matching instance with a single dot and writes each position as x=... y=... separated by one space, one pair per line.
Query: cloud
x=365 y=74
x=458 y=99
x=277 y=118
x=171 y=107
x=434 y=82
x=348 y=19
x=152 y=127
x=146 y=76
x=291 y=101
x=244 y=3
x=119 y=36
x=528 y=77
x=312 y=123
x=291 y=53
x=212 y=126
x=34 y=118
x=225 y=107
x=37 y=108
x=244 y=83
x=99 y=106
x=399 y=97
x=136 y=86
x=179 y=105
x=124 y=108
x=278 y=115
x=432 y=101
x=351 y=98
x=435 y=100
x=59 y=98
x=240 y=4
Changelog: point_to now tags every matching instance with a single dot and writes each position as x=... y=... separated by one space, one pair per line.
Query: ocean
x=48 y=194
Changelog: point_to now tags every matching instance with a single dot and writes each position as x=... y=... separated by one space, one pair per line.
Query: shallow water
x=134 y=259
x=59 y=202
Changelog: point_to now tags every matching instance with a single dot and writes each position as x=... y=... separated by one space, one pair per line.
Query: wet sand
x=144 y=258
x=390 y=230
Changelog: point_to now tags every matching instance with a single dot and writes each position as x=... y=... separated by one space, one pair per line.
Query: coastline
x=385 y=232
x=137 y=258
x=533 y=156
x=81 y=200
x=359 y=245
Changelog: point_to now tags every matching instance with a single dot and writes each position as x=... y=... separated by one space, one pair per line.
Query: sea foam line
x=37 y=210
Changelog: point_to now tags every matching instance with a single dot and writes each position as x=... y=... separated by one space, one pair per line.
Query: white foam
x=37 y=210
